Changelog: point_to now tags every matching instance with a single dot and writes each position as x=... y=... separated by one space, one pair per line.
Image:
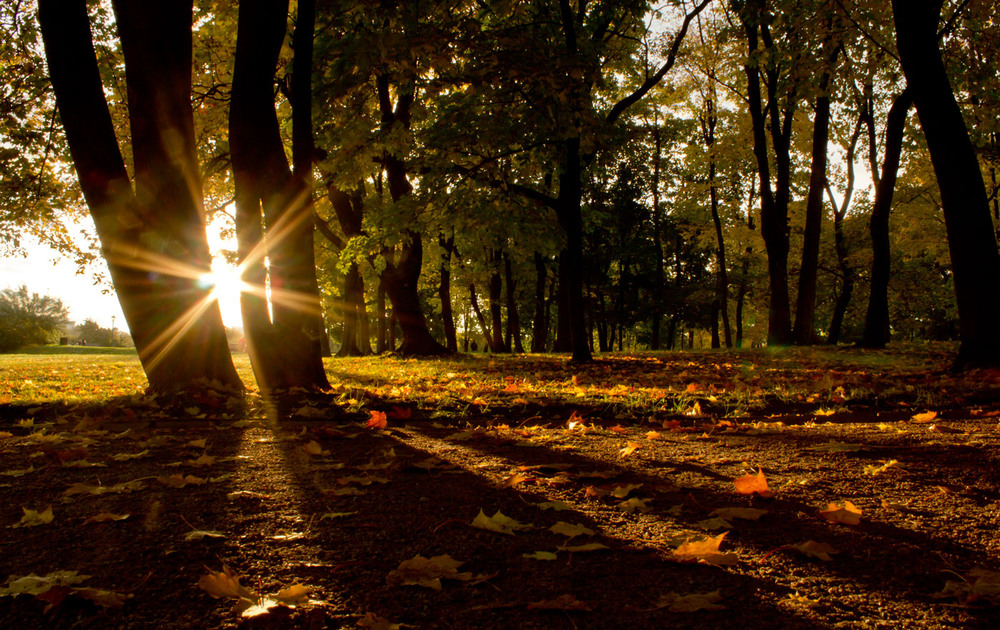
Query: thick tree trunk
x=154 y=241
x=564 y=335
x=571 y=218
x=284 y=344
x=975 y=260
x=805 y=311
x=540 y=325
x=876 y=333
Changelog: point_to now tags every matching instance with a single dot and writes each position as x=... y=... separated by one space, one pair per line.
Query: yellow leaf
x=823 y=412
x=225 y=583
x=199 y=534
x=635 y=504
x=622 y=491
x=653 y=435
x=204 y=460
x=498 y=523
x=690 y=603
x=33 y=518
x=294 y=594
x=877 y=470
x=705 y=550
x=629 y=448
x=513 y=480
x=848 y=514
x=540 y=555
x=202 y=443
x=570 y=530
x=927 y=416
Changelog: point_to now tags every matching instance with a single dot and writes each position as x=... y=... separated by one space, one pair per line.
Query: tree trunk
x=805 y=311
x=571 y=218
x=380 y=318
x=539 y=328
x=876 y=333
x=840 y=239
x=444 y=293
x=513 y=321
x=154 y=240
x=972 y=243
x=773 y=203
x=709 y=122
x=488 y=338
x=496 y=309
x=659 y=280
x=564 y=341
x=284 y=344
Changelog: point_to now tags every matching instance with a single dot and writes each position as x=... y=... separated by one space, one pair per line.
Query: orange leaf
x=749 y=484
x=377 y=420
x=619 y=429
x=924 y=417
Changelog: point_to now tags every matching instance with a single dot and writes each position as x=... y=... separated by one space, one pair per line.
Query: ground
x=510 y=493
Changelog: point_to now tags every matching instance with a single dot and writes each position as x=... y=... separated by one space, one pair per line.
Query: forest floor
x=798 y=489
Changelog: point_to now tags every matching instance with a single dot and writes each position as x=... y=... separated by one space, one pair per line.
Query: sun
x=224 y=280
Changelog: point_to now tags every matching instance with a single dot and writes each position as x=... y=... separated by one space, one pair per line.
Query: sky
x=45 y=272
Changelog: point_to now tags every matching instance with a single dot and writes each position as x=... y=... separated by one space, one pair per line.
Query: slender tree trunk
x=539 y=328
x=153 y=240
x=659 y=280
x=444 y=293
x=805 y=311
x=381 y=333
x=571 y=218
x=564 y=342
x=488 y=337
x=496 y=309
x=513 y=320
x=975 y=260
x=840 y=239
x=876 y=333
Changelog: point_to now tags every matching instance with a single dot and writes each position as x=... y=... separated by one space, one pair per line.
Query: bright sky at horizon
x=46 y=272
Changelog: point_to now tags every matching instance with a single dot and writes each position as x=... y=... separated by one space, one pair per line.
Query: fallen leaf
x=513 y=480
x=714 y=523
x=333 y=515
x=563 y=602
x=427 y=572
x=558 y=506
x=204 y=460
x=376 y=420
x=199 y=534
x=570 y=530
x=540 y=555
x=622 y=491
x=926 y=417
x=82 y=463
x=815 y=549
x=19 y=473
x=629 y=448
x=692 y=602
x=635 y=504
x=104 y=517
x=313 y=448
x=836 y=447
x=583 y=548
x=619 y=429
x=294 y=594
x=224 y=583
x=374 y=622
x=37 y=584
x=705 y=550
x=82 y=488
x=33 y=518
x=750 y=514
x=848 y=514
x=202 y=443
x=498 y=523
x=101 y=597
x=179 y=480
x=124 y=457
x=877 y=470
x=653 y=435
x=750 y=484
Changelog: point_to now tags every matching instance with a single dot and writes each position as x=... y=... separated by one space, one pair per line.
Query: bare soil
x=641 y=451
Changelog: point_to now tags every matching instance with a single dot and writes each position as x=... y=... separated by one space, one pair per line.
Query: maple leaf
x=653 y=435
x=691 y=602
x=294 y=594
x=563 y=602
x=224 y=583
x=877 y=470
x=498 y=523
x=427 y=572
x=104 y=517
x=849 y=514
x=619 y=429
x=33 y=518
x=376 y=420
x=925 y=417
x=570 y=530
x=705 y=550
x=513 y=480
x=629 y=448
x=750 y=484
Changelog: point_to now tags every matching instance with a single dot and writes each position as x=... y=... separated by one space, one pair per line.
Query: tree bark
x=513 y=321
x=975 y=260
x=444 y=292
x=488 y=337
x=708 y=124
x=540 y=325
x=564 y=341
x=496 y=309
x=154 y=239
x=804 y=332
x=876 y=333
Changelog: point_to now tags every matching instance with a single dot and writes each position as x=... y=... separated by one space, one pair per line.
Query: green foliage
x=28 y=318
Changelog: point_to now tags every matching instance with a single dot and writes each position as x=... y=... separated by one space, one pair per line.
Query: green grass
x=54 y=350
